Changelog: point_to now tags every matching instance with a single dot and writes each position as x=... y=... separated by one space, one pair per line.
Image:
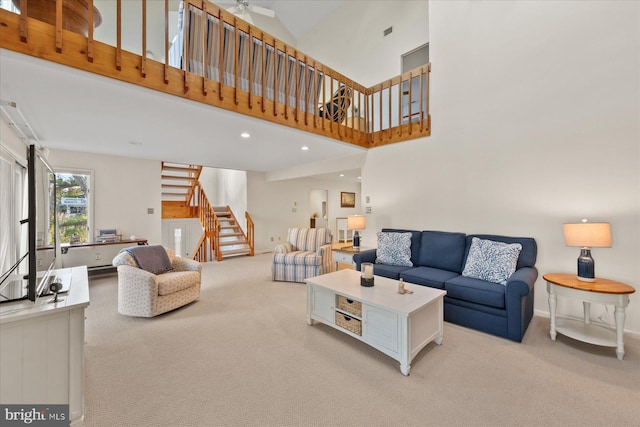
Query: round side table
x=601 y=291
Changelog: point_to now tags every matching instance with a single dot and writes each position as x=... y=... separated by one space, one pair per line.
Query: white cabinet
x=42 y=348
x=95 y=256
x=322 y=304
x=381 y=328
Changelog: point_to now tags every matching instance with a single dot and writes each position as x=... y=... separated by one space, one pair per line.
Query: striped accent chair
x=306 y=253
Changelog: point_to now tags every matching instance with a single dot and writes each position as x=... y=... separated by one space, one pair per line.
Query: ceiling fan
x=242 y=8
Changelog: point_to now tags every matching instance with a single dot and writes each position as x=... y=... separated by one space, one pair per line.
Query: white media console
x=42 y=348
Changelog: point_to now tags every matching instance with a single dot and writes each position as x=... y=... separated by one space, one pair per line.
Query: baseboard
x=628 y=332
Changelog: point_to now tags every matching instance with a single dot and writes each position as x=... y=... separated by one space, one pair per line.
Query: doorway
x=318 y=214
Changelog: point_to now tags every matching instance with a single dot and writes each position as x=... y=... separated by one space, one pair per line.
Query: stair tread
x=175 y=186
x=234 y=243
x=180 y=168
x=236 y=252
x=177 y=177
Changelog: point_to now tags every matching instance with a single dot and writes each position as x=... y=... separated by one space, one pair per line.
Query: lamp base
x=356 y=240
x=586 y=266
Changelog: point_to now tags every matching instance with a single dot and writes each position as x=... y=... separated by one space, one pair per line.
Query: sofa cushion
x=415 y=241
x=390 y=271
x=394 y=249
x=298 y=258
x=528 y=253
x=427 y=276
x=476 y=291
x=491 y=261
x=175 y=281
x=442 y=249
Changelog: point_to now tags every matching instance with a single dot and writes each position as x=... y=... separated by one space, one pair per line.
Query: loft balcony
x=213 y=57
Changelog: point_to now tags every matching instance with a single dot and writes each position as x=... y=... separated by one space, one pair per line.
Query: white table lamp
x=587 y=235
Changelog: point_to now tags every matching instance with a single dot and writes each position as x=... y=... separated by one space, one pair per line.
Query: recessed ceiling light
x=304 y=148
x=359 y=177
x=245 y=135
x=135 y=142
x=341 y=174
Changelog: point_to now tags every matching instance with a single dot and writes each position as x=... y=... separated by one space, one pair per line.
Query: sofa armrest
x=364 y=256
x=522 y=281
x=186 y=264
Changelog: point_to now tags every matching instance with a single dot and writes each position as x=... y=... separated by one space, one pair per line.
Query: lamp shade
x=588 y=234
x=356 y=222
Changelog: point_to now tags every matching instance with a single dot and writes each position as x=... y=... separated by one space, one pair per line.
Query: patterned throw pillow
x=394 y=249
x=491 y=261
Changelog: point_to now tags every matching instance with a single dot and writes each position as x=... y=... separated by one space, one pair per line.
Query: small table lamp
x=587 y=235
x=356 y=222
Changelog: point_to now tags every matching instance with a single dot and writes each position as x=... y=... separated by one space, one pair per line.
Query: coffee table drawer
x=349 y=323
x=349 y=306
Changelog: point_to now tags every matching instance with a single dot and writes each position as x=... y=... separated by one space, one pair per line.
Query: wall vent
x=388 y=31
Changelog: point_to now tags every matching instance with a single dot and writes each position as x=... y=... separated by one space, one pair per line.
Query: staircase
x=230 y=239
x=183 y=197
x=178 y=186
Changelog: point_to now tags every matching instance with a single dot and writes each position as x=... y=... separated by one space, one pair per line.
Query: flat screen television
x=41 y=240
x=42 y=222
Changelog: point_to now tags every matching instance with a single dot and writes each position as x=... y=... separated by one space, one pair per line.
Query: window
x=73 y=206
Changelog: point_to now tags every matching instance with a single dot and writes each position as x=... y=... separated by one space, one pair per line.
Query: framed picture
x=347 y=200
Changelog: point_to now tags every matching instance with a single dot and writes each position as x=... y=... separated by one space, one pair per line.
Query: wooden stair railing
x=250 y=233
x=247 y=71
x=222 y=234
x=230 y=239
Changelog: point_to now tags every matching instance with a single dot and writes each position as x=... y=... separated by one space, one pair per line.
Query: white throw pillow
x=394 y=249
x=491 y=261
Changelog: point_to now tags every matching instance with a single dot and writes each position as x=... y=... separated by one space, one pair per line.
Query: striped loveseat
x=306 y=253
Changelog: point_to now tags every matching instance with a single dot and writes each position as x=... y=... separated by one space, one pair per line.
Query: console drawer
x=349 y=323
x=349 y=306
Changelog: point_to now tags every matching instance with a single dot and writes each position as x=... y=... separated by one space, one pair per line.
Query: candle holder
x=366 y=279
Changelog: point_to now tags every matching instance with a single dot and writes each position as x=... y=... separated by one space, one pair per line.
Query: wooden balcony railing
x=234 y=66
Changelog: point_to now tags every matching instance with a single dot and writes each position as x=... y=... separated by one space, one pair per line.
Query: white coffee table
x=395 y=324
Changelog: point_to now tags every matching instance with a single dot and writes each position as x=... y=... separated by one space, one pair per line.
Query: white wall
x=226 y=187
x=124 y=188
x=351 y=39
x=535 y=114
x=272 y=204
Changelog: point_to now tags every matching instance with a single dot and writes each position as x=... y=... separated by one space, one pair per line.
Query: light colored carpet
x=243 y=355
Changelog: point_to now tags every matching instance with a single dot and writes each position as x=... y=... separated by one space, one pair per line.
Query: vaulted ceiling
x=79 y=111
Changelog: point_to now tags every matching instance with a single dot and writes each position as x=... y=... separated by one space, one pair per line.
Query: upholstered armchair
x=306 y=253
x=171 y=281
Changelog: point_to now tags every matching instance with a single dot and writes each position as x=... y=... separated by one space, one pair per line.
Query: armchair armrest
x=136 y=280
x=364 y=256
x=326 y=253
x=186 y=264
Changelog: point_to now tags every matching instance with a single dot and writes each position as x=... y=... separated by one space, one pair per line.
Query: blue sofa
x=439 y=258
